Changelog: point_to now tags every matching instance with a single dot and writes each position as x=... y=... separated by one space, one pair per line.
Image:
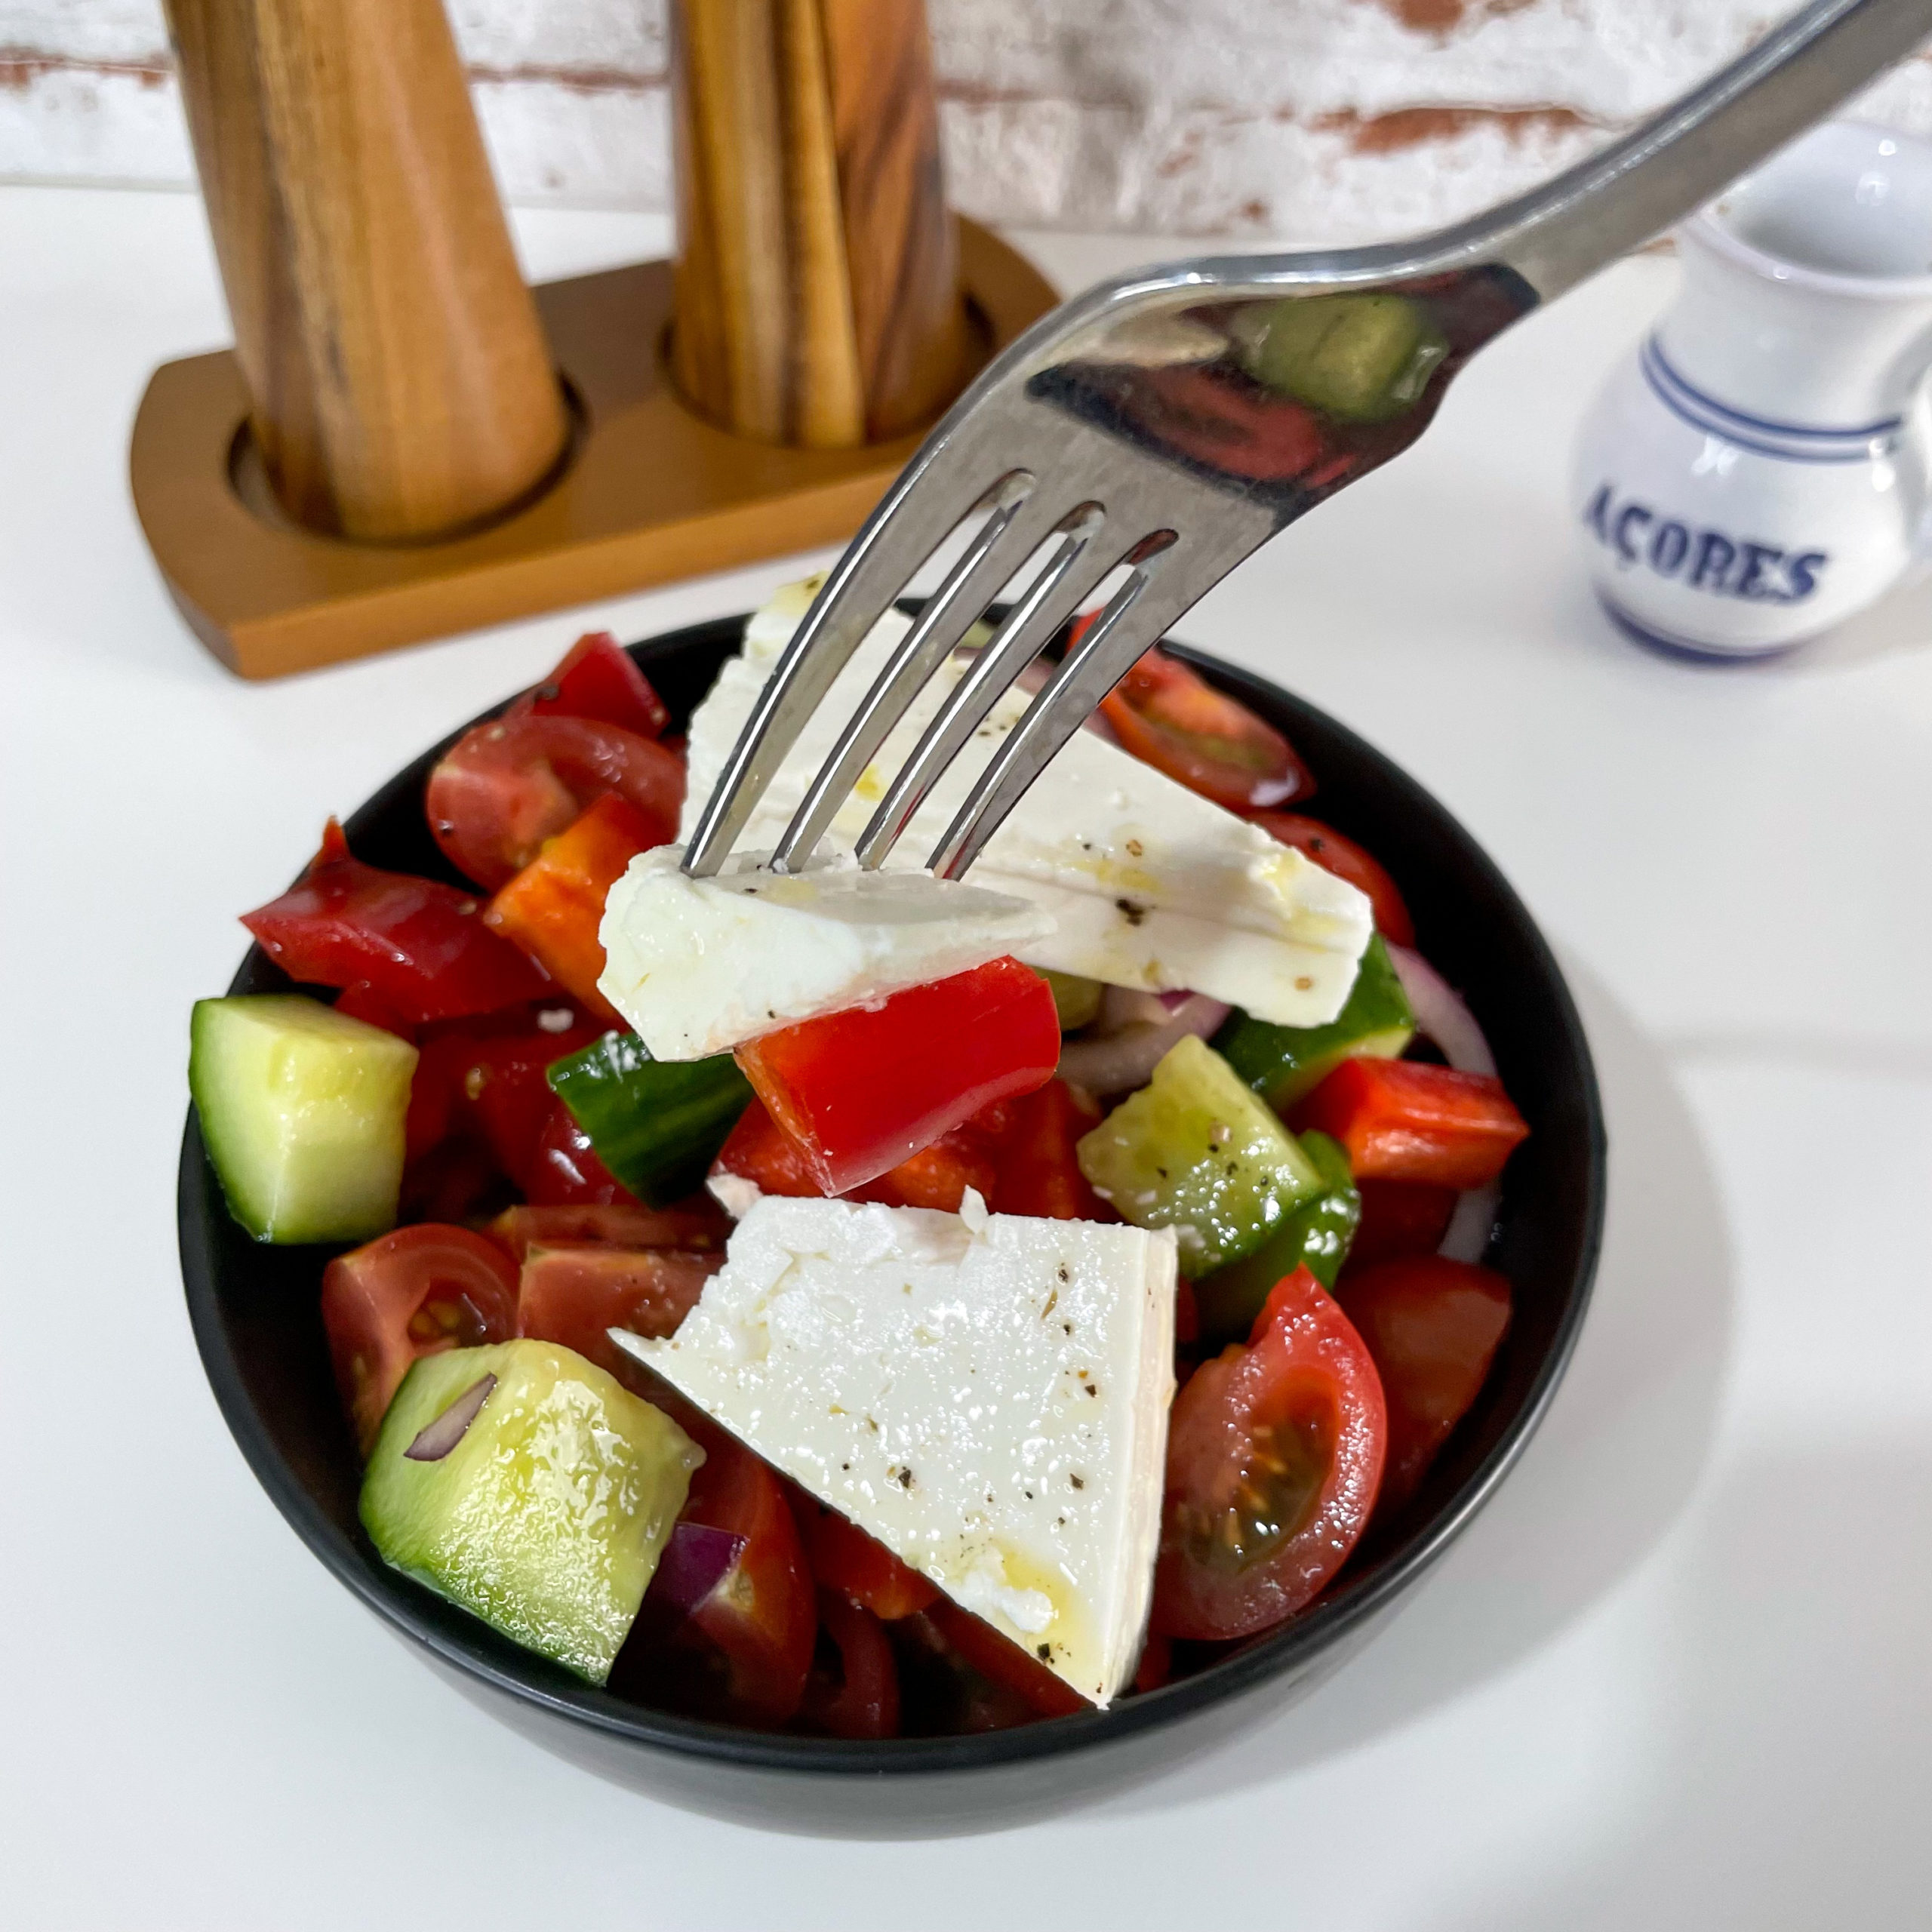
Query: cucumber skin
x=1157 y=1159
x=1281 y=1063
x=262 y=1132
x=1316 y=1236
x=547 y=1518
x=657 y=1124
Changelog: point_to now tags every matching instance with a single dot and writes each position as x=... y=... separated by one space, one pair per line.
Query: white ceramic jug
x=1757 y=471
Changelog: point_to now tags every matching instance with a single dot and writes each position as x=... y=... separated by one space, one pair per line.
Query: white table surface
x=1675 y=1674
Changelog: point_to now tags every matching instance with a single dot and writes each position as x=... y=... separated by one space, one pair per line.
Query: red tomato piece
x=565 y=1171
x=420 y=947
x=1275 y=1453
x=599 y=678
x=763 y=1615
x=1346 y=860
x=1156 y=1665
x=574 y=1294
x=553 y=907
x=509 y=785
x=490 y=1085
x=701 y=1223
x=998 y=1657
x=361 y=1002
x=415 y=1292
x=1170 y=717
x=845 y=1559
x=1398 y=1217
x=1038 y=1174
x=1187 y=1314
x=1406 y=1120
x=1433 y=1327
x=859 y=1091
x=852 y=1689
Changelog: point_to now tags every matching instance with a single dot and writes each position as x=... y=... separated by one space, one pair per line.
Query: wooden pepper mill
x=399 y=385
x=817 y=277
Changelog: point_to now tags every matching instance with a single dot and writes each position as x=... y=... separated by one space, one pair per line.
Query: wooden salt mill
x=399 y=385
x=387 y=454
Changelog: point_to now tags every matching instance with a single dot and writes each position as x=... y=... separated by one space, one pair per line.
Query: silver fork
x=1128 y=430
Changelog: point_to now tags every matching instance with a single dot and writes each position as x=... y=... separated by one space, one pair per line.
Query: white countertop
x=1675 y=1675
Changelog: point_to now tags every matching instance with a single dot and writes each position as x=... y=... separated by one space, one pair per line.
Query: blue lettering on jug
x=1705 y=560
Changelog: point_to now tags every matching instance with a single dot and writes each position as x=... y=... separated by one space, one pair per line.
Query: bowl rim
x=419 y=1616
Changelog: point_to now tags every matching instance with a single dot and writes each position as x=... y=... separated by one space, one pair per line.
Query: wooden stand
x=649 y=491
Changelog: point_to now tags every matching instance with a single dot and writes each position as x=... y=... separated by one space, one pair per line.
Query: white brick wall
x=1319 y=120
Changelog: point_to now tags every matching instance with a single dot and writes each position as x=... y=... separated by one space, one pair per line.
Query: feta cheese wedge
x=1148 y=885
x=697 y=965
x=986 y=1394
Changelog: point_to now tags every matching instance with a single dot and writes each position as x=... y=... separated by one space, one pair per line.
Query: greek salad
x=852 y=1302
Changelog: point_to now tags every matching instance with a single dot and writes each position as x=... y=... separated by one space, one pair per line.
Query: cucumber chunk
x=545 y=1514
x=1281 y=1063
x=302 y=1111
x=1363 y=358
x=1316 y=1236
x=1194 y=1151
x=657 y=1124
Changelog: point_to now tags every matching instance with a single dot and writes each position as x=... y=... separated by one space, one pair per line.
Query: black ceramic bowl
x=255 y=1320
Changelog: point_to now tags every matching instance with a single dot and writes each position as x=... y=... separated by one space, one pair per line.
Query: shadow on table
x=1611 y=1469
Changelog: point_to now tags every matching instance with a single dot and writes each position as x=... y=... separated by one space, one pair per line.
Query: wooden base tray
x=651 y=492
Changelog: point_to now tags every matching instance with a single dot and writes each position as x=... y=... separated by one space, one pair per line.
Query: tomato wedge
x=998 y=1658
x=759 y=1623
x=1274 y=1454
x=701 y=1223
x=415 y=1292
x=575 y=1294
x=1170 y=717
x=1406 y=1120
x=1398 y=1217
x=1038 y=1174
x=845 y=1559
x=852 y=1689
x=565 y=1172
x=1433 y=1327
x=420 y=948
x=599 y=678
x=1346 y=860
x=509 y=785
x=553 y=908
x=861 y=1090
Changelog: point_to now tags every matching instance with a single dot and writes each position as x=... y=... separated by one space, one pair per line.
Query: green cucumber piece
x=1362 y=357
x=547 y=1516
x=302 y=1112
x=1316 y=1236
x=1076 y=1001
x=657 y=1124
x=1194 y=1151
x=1281 y=1063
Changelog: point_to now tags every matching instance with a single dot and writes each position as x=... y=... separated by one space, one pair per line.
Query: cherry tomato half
x=574 y=1295
x=509 y=785
x=419 y=948
x=1274 y=1454
x=852 y=1689
x=415 y=1292
x=698 y=1224
x=1347 y=860
x=1433 y=1327
x=599 y=678
x=1170 y=717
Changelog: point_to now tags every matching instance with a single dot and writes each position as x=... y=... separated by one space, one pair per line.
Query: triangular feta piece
x=986 y=1394
x=1148 y=884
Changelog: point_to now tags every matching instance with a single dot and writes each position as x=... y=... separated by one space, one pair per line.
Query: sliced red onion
x=1440 y=1015
x=1123 y=1007
x=1117 y=1061
x=696 y=1558
x=435 y=1441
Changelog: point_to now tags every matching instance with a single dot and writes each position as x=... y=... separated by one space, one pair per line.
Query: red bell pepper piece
x=420 y=948
x=1405 y=1120
x=553 y=908
x=598 y=678
x=1038 y=1173
x=861 y=1090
